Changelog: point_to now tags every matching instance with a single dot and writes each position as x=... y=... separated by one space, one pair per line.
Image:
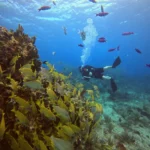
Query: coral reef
x=41 y=109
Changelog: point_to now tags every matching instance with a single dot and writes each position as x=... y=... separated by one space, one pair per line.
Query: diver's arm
x=107 y=67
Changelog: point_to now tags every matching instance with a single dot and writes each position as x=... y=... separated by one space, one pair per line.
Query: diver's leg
x=113 y=85
x=106 y=77
x=112 y=82
x=107 y=67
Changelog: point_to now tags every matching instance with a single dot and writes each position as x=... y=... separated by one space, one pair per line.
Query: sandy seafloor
x=126 y=117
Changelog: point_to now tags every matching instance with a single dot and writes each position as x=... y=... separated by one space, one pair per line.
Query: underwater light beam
x=89 y=42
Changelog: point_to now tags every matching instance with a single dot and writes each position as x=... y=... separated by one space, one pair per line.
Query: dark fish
x=93 y=1
x=81 y=45
x=102 y=13
x=138 y=51
x=148 y=65
x=54 y=2
x=127 y=33
x=65 y=30
x=111 y=49
x=102 y=40
x=44 y=8
x=118 y=48
x=44 y=62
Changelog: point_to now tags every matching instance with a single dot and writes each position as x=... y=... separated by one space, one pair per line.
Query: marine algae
x=41 y=109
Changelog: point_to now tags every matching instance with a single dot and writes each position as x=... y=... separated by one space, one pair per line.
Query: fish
x=138 y=51
x=27 y=73
x=111 y=49
x=44 y=8
x=127 y=33
x=54 y=2
x=2 y=126
x=53 y=53
x=93 y=1
x=1 y=71
x=81 y=45
x=102 y=40
x=65 y=30
x=102 y=13
x=118 y=48
x=34 y=84
x=148 y=65
x=44 y=62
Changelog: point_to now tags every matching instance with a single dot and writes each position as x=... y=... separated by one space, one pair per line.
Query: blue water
x=132 y=76
x=124 y=16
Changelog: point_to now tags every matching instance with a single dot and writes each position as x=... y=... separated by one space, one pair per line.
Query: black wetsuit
x=91 y=72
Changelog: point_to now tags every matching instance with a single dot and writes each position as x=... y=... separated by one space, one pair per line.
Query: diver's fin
x=116 y=62
x=113 y=85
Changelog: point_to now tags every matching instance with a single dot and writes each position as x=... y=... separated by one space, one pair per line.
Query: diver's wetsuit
x=89 y=71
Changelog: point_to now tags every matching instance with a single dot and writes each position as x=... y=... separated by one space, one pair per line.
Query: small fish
x=118 y=48
x=54 y=2
x=53 y=53
x=111 y=49
x=93 y=1
x=44 y=8
x=148 y=65
x=1 y=71
x=44 y=62
x=65 y=30
x=138 y=51
x=102 y=13
x=127 y=33
x=2 y=126
x=102 y=40
x=81 y=45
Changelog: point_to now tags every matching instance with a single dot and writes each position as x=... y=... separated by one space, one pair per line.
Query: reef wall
x=40 y=109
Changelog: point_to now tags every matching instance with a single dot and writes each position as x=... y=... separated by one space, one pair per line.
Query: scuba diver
x=92 y=72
